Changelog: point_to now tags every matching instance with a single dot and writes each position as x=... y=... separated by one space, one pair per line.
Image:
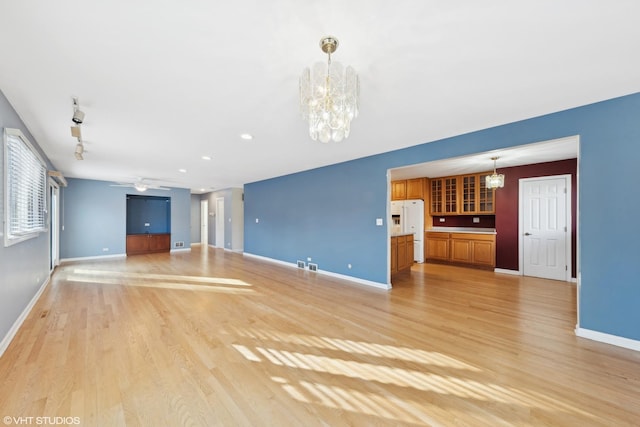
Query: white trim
x=608 y=338
x=506 y=271
x=4 y=344
x=180 y=250
x=87 y=258
x=378 y=285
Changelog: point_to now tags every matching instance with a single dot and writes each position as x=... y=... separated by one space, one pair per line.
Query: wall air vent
x=313 y=267
x=301 y=264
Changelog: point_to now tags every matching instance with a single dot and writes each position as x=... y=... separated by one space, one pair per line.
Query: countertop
x=475 y=230
x=401 y=234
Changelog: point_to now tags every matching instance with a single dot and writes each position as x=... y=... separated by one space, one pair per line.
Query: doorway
x=545 y=224
x=220 y=222
x=204 y=222
x=54 y=226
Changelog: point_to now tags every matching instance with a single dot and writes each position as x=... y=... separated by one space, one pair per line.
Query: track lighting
x=76 y=133
x=78 y=115
x=79 y=151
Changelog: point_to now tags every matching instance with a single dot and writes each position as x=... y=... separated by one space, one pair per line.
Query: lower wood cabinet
x=472 y=249
x=148 y=243
x=401 y=253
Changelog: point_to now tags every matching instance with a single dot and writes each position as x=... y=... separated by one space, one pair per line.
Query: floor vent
x=313 y=267
x=301 y=264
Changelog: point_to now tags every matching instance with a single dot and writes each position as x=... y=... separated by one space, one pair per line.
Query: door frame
x=54 y=225
x=219 y=222
x=568 y=222
x=204 y=222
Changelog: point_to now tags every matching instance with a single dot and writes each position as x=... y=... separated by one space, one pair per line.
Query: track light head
x=79 y=151
x=78 y=117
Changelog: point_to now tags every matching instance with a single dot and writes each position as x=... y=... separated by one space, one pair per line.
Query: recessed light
x=246 y=136
x=206 y=157
x=182 y=170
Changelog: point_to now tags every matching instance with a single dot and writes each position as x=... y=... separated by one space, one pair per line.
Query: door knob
x=527 y=234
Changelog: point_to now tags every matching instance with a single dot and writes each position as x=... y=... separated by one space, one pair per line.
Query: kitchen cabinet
x=408 y=189
x=444 y=196
x=473 y=249
x=401 y=253
x=415 y=189
x=399 y=190
x=437 y=246
x=148 y=243
x=475 y=197
x=461 y=195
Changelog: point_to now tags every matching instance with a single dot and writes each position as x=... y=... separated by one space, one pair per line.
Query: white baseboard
x=87 y=258
x=608 y=338
x=4 y=344
x=180 y=250
x=378 y=285
x=505 y=271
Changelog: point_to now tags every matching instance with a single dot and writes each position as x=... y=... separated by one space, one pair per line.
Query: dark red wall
x=507 y=201
x=486 y=221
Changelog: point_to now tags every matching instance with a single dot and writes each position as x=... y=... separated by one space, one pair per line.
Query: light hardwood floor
x=214 y=338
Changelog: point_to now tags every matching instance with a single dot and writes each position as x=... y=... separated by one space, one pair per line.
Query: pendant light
x=495 y=180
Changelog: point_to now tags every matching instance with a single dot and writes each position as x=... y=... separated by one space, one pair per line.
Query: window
x=25 y=179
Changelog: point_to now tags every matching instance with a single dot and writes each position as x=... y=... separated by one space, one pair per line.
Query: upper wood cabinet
x=475 y=197
x=415 y=188
x=407 y=189
x=461 y=195
x=444 y=196
x=399 y=190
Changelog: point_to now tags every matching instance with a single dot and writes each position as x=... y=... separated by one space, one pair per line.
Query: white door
x=220 y=222
x=544 y=224
x=204 y=222
x=54 y=226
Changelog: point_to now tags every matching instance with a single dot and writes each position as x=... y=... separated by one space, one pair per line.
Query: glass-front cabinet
x=444 y=196
x=462 y=195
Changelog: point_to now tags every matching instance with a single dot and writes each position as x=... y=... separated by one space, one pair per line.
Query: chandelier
x=495 y=180
x=329 y=96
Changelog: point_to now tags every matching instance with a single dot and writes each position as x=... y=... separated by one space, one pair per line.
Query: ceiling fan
x=141 y=185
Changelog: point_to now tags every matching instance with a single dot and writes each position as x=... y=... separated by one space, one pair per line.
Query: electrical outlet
x=441 y=219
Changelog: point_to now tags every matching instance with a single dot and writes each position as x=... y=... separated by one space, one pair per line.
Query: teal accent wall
x=329 y=213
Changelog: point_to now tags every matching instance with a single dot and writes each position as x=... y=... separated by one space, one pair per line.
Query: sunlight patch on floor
x=162 y=281
x=456 y=384
x=360 y=347
x=152 y=276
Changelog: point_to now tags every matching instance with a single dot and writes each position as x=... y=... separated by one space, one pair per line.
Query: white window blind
x=25 y=189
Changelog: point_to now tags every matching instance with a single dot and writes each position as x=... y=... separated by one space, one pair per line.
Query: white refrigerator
x=407 y=216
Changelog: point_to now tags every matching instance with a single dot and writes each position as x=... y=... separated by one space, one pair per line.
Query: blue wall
x=329 y=213
x=24 y=266
x=195 y=218
x=94 y=217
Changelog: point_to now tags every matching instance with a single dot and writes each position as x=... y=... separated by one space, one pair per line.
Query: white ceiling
x=164 y=83
x=540 y=152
